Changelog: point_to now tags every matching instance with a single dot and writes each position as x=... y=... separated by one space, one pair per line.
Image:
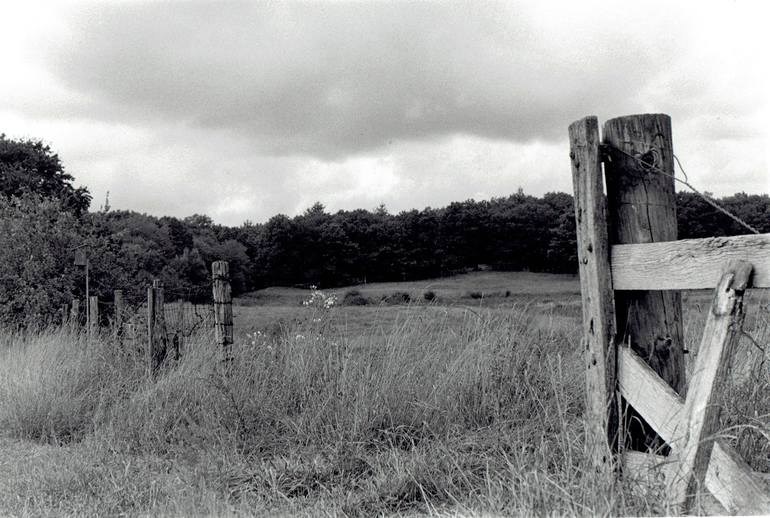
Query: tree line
x=44 y=222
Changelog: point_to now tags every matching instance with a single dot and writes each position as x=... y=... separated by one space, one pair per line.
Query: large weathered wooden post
x=223 y=307
x=641 y=202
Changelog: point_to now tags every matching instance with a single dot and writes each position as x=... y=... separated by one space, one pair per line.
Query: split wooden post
x=223 y=307
x=75 y=312
x=694 y=437
x=118 y=317
x=93 y=315
x=641 y=202
x=156 y=328
x=596 y=290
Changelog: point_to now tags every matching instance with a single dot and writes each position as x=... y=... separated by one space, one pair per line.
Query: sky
x=245 y=110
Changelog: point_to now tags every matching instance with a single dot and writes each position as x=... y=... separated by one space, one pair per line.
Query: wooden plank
x=694 y=437
x=728 y=477
x=733 y=483
x=596 y=291
x=641 y=206
x=688 y=264
x=644 y=390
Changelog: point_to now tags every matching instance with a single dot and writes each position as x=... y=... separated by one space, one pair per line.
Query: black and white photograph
x=406 y=258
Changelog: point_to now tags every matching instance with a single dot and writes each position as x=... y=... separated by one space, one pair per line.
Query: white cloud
x=244 y=110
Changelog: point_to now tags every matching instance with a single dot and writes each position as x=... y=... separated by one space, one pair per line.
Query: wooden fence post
x=129 y=335
x=93 y=314
x=641 y=203
x=223 y=307
x=75 y=313
x=64 y=314
x=597 y=296
x=156 y=327
x=118 y=317
x=641 y=357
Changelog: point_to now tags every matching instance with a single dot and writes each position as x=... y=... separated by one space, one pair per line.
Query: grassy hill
x=475 y=285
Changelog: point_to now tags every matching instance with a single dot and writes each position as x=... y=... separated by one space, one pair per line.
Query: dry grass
x=427 y=410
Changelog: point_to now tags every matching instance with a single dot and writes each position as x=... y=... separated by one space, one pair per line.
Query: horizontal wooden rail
x=687 y=264
x=728 y=478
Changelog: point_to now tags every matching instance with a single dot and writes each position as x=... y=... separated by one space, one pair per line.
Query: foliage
x=28 y=166
x=38 y=238
x=354 y=298
x=397 y=297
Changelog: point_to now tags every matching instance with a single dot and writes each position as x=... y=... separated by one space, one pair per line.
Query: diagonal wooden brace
x=693 y=438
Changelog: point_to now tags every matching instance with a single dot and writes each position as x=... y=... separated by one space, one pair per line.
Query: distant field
x=488 y=284
x=455 y=297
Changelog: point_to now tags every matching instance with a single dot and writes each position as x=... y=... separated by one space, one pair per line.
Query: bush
x=354 y=298
x=475 y=294
x=429 y=295
x=397 y=297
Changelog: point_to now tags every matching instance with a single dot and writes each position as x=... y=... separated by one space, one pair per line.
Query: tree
x=28 y=166
x=37 y=243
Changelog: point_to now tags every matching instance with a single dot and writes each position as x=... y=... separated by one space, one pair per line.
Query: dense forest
x=44 y=222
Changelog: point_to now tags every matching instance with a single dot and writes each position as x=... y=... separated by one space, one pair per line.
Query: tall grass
x=474 y=413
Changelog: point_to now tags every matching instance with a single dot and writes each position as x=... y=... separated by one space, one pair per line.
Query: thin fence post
x=156 y=327
x=75 y=313
x=129 y=335
x=93 y=314
x=223 y=307
x=641 y=206
x=118 y=317
x=64 y=314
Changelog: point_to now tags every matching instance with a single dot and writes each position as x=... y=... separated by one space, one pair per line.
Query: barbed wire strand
x=685 y=182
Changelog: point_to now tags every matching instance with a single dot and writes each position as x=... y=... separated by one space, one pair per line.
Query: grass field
x=468 y=404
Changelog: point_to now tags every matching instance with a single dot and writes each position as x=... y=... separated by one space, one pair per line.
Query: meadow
x=452 y=397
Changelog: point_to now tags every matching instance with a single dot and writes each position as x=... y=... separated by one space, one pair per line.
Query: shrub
x=429 y=295
x=397 y=297
x=354 y=298
x=475 y=294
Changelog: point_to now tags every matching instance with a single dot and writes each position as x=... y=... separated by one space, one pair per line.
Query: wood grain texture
x=688 y=264
x=652 y=397
x=596 y=291
x=728 y=477
x=642 y=209
x=694 y=437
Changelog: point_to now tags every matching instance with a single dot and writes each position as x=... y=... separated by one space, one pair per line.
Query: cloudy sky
x=245 y=110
